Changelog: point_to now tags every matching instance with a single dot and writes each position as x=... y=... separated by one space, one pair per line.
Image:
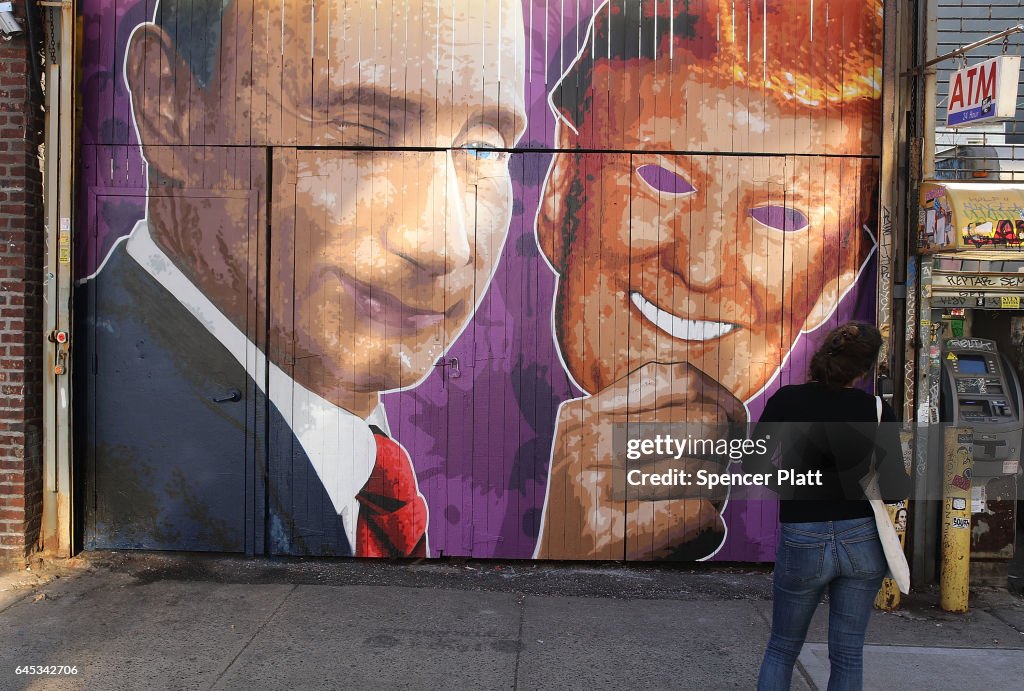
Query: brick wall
x=21 y=308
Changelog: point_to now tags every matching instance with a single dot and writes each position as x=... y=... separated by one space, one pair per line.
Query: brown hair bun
x=846 y=354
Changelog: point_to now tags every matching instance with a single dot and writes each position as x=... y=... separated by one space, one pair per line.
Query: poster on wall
x=958 y=216
x=380 y=278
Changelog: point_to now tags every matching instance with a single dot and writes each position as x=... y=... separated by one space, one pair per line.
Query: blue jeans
x=844 y=557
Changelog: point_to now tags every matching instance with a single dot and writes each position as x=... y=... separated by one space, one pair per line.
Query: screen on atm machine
x=972 y=364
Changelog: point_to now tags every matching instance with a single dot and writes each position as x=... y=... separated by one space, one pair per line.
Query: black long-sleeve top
x=833 y=430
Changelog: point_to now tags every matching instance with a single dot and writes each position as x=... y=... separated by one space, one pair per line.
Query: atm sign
x=986 y=92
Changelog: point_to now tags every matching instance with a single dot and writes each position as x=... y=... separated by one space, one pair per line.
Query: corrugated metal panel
x=960 y=22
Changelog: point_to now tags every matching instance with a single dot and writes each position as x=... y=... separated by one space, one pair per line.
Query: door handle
x=233 y=396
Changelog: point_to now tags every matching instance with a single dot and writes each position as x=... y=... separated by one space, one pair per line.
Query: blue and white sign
x=983 y=93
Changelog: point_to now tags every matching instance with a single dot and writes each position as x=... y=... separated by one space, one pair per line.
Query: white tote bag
x=899 y=570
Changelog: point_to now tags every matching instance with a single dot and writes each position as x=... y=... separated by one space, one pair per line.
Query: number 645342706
x=46 y=669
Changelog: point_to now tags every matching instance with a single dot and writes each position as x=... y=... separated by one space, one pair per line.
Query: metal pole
x=68 y=152
x=956 y=519
x=60 y=155
x=31 y=13
x=888 y=595
x=52 y=185
x=887 y=177
x=926 y=475
x=930 y=96
x=966 y=49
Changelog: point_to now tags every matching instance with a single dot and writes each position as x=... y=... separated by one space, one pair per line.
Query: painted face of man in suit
x=379 y=254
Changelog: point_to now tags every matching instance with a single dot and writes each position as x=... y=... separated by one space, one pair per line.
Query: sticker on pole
x=64 y=247
x=979 y=497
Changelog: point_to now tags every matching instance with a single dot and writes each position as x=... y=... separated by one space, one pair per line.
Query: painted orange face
x=715 y=259
x=390 y=195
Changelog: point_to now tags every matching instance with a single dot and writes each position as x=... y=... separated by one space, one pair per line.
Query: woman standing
x=829 y=541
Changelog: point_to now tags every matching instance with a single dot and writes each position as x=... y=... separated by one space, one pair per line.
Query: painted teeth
x=677 y=327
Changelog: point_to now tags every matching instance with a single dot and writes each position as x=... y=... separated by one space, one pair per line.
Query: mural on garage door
x=380 y=278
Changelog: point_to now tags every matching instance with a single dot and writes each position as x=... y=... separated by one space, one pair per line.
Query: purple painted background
x=480 y=442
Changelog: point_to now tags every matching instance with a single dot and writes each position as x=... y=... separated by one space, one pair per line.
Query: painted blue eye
x=780 y=217
x=664 y=180
x=487 y=155
x=484 y=152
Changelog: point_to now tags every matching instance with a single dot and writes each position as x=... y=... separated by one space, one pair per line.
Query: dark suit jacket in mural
x=167 y=465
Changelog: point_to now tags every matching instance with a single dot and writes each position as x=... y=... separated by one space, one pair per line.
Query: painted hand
x=592 y=512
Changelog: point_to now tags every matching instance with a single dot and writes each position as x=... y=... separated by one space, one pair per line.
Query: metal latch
x=61 y=357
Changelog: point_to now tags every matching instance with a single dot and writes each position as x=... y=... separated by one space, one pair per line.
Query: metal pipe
x=50 y=528
x=930 y=97
x=886 y=193
x=926 y=456
x=68 y=155
x=60 y=152
x=888 y=596
x=30 y=20
x=965 y=49
x=926 y=474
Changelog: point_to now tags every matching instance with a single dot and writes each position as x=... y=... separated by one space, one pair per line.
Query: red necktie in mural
x=392 y=514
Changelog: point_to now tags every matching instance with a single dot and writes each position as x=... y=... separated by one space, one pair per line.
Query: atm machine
x=980 y=389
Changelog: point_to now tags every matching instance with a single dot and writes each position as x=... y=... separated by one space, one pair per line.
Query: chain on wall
x=50 y=29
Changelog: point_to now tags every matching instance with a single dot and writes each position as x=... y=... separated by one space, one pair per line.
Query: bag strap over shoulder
x=878 y=417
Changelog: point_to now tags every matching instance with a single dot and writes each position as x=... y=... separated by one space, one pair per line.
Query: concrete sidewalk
x=141 y=621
